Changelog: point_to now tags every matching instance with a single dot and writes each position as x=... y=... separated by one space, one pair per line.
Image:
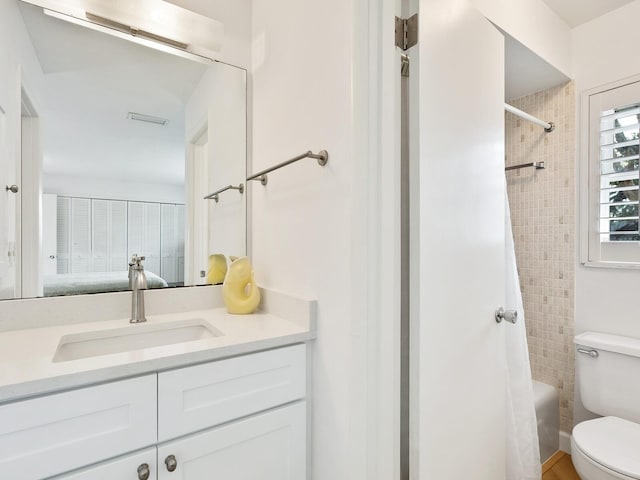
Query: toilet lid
x=611 y=442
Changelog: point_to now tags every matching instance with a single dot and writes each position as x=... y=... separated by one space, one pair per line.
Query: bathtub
x=548 y=416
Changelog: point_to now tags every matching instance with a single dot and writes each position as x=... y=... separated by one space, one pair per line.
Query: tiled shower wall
x=543 y=217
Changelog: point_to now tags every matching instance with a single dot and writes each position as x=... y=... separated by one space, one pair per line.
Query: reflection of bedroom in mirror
x=120 y=143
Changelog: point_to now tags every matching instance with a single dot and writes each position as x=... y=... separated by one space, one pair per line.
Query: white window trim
x=583 y=176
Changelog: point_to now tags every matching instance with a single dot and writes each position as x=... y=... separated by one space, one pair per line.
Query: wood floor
x=559 y=467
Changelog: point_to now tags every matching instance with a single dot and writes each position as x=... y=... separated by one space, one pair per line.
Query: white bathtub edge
x=565 y=442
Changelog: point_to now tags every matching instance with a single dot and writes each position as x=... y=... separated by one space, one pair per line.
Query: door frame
x=196 y=209
x=29 y=202
x=376 y=243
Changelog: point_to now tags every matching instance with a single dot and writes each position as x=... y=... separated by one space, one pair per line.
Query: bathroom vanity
x=193 y=392
x=188 y=395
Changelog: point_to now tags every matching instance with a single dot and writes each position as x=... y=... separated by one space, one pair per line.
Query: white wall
x=17 y=51
x=605 y=50
x=219 y=102
x=303 y=222
x=92 y=187
x=236 y=17
x=533 y=24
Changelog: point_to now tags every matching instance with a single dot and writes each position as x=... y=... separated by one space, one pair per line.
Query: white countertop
x=26 y=356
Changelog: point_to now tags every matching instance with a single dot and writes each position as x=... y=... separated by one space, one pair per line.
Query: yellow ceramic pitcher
x=239 y=291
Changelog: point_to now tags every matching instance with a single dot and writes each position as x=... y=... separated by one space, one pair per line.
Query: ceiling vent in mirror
x=147 y=118
x=152 y=22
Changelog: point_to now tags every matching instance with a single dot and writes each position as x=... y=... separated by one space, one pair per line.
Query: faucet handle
x=135 y=260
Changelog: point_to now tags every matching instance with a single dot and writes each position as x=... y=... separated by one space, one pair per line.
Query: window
x=614 y=175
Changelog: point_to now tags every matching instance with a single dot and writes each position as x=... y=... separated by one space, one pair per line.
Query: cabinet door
x=143 y=235
x=128 y=467
x=269 y=446
x=180 y=238
x=152 y=237
x=63 y=235
x=109 y=235
x=135 y=229
x=118 y=259
x=99 y=235
x=80 y=235
x=169 y=267
x=49 y=235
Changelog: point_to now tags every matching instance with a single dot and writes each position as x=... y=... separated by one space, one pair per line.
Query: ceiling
x=526 y=72
x=91 y=82
x=577 y=12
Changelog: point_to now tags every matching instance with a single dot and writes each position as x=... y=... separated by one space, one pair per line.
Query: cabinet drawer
x=49 y=435
x=194 y=398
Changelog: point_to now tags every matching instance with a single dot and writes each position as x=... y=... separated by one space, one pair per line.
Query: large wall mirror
x=107 y=149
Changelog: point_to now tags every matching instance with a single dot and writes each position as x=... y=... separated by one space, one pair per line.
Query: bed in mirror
x=116 y=147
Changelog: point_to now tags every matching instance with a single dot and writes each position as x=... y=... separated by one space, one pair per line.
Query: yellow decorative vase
x=239 y=291
x=217 y=269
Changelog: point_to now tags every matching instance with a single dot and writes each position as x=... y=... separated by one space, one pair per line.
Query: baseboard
x=565 y=442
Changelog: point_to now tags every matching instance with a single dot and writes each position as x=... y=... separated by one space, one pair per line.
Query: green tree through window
x=625 y=206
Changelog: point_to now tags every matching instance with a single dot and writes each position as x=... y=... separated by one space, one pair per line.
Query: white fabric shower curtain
x=523 y=451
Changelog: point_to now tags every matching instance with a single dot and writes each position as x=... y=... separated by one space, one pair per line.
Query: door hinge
x=406 y=32
x=405 y=61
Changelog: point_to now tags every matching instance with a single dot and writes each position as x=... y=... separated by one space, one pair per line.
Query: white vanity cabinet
x=239 y=418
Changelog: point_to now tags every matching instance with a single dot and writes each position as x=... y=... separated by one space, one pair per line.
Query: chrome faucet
x=137 y=284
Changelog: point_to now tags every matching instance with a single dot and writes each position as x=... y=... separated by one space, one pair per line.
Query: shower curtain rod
x=548 y=126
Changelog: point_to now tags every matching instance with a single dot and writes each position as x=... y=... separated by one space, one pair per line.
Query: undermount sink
x=132 y=337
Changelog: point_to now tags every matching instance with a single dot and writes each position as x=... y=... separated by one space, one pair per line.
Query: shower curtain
x=523 y=451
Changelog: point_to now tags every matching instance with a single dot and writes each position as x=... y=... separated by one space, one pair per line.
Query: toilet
x=608 y=448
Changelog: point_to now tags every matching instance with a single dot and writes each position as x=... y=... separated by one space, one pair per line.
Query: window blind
x=619 y=174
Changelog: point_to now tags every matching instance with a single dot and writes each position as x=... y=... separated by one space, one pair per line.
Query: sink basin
x=132 y=337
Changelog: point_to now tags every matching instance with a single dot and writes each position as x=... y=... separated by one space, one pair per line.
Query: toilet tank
x=609 y=374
